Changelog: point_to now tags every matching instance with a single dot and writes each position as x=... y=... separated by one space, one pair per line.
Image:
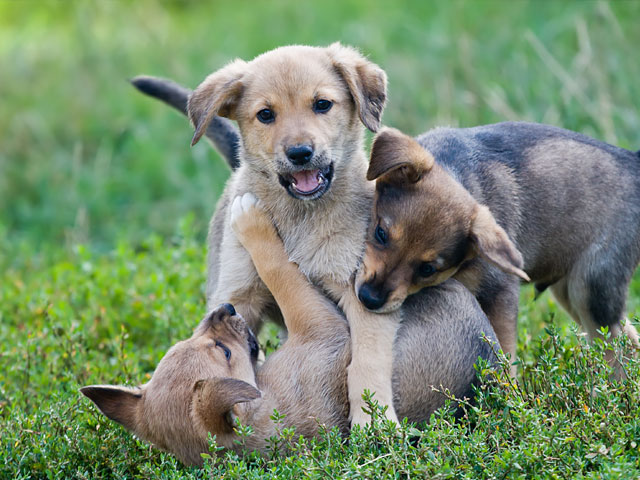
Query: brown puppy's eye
x=225 y=349
x=381 y=235
x=322 y=106
x=426 y=269
x=266 y=115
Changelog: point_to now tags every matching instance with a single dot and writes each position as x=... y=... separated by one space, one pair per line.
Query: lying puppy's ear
x=398 y=158
x=492 y=243
x=217 y=95
x=118 y=403
x=366 y=81
x=214 y=399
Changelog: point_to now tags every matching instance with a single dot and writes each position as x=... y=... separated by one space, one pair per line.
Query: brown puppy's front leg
x=303 y=307
x=372 y=339
x=501 y=308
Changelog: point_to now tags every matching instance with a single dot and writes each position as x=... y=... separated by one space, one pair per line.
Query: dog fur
x=495 y=204
x=198 y=388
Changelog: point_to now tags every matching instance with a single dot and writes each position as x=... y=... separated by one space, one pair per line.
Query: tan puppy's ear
x=118 y=403
x=214 y=398
x=366 y=81
x=492 y=243
x=398 y=158
x=217 y=95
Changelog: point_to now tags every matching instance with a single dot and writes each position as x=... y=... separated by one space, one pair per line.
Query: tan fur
x=325 y=237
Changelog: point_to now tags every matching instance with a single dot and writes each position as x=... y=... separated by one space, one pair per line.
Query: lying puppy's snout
x=299 y=154
x=372 y=297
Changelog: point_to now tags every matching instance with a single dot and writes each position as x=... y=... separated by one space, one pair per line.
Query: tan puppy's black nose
x=370 y=297
x=229 y=308
x=299 y=154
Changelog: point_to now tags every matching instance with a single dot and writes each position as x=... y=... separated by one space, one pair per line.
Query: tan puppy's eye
x=266 y=115
x=322 y=105
x=225 y=349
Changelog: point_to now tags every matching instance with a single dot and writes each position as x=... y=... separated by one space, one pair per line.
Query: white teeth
x=293 y=182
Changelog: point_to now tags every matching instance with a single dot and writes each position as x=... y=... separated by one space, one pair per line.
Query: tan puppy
x=205 y=383
x=300 y=112
x=449 y=204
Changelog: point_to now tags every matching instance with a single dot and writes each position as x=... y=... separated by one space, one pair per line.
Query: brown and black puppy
x=496 y=204
x=205 y=383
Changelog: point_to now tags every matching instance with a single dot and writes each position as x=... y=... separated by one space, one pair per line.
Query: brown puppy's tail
x=222 y=132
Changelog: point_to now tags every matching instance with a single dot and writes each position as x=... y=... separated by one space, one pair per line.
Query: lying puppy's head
x=424 y=226
x=299 y=110
x=199 y=386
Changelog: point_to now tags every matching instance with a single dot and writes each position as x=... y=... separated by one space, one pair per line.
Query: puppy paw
x=248 y=218
x=362 y=418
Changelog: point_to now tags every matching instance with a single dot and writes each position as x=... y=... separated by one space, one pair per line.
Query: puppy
x=205 y=383
x=493 y=205
x=300 y=112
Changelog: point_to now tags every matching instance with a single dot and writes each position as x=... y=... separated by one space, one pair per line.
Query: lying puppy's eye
x=381 y=235
x=266 y=115
x=322 y=106
x=225 y=349
x=426 y=269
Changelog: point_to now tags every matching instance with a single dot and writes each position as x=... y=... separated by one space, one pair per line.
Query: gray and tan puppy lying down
x=205 y=383
x=494 y=204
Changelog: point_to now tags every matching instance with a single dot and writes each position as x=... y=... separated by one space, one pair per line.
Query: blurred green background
x=104 y=206
x=85 y=158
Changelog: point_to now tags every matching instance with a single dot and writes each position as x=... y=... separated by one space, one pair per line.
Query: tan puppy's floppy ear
x=366 y=81
x=398 y=158
x=217 y=95
x=118 y=403
x=492 y=243
x=213 y=399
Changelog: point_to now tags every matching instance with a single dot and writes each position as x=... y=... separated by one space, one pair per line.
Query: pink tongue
x=306 y=181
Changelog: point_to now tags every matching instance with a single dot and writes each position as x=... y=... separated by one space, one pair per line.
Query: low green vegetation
x=103 y=211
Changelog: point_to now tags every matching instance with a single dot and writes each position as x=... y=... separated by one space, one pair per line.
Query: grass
x=98 y=276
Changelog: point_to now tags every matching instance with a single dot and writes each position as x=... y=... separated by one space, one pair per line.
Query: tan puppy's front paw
x=248 y=219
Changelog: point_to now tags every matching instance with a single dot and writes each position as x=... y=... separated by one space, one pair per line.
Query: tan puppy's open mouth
x=307 y=184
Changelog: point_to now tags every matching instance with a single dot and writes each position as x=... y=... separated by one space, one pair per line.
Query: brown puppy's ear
x=366 y=81
x=217 y=95
x=118 y=403
x=398 y=158
x=492 y=243
x=213 y=399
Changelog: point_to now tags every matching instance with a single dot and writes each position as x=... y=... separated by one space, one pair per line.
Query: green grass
x=98 y=276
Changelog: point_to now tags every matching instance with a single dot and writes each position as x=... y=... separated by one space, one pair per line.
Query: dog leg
x=303 y=307
x=595 y=297
x=372 y=339
x=499 y=301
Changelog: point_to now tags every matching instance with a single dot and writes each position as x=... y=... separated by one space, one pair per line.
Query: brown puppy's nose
x=299 y=154
x=371 y=297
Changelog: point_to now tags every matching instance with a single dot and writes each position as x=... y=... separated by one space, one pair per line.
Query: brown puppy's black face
x=425 y=226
